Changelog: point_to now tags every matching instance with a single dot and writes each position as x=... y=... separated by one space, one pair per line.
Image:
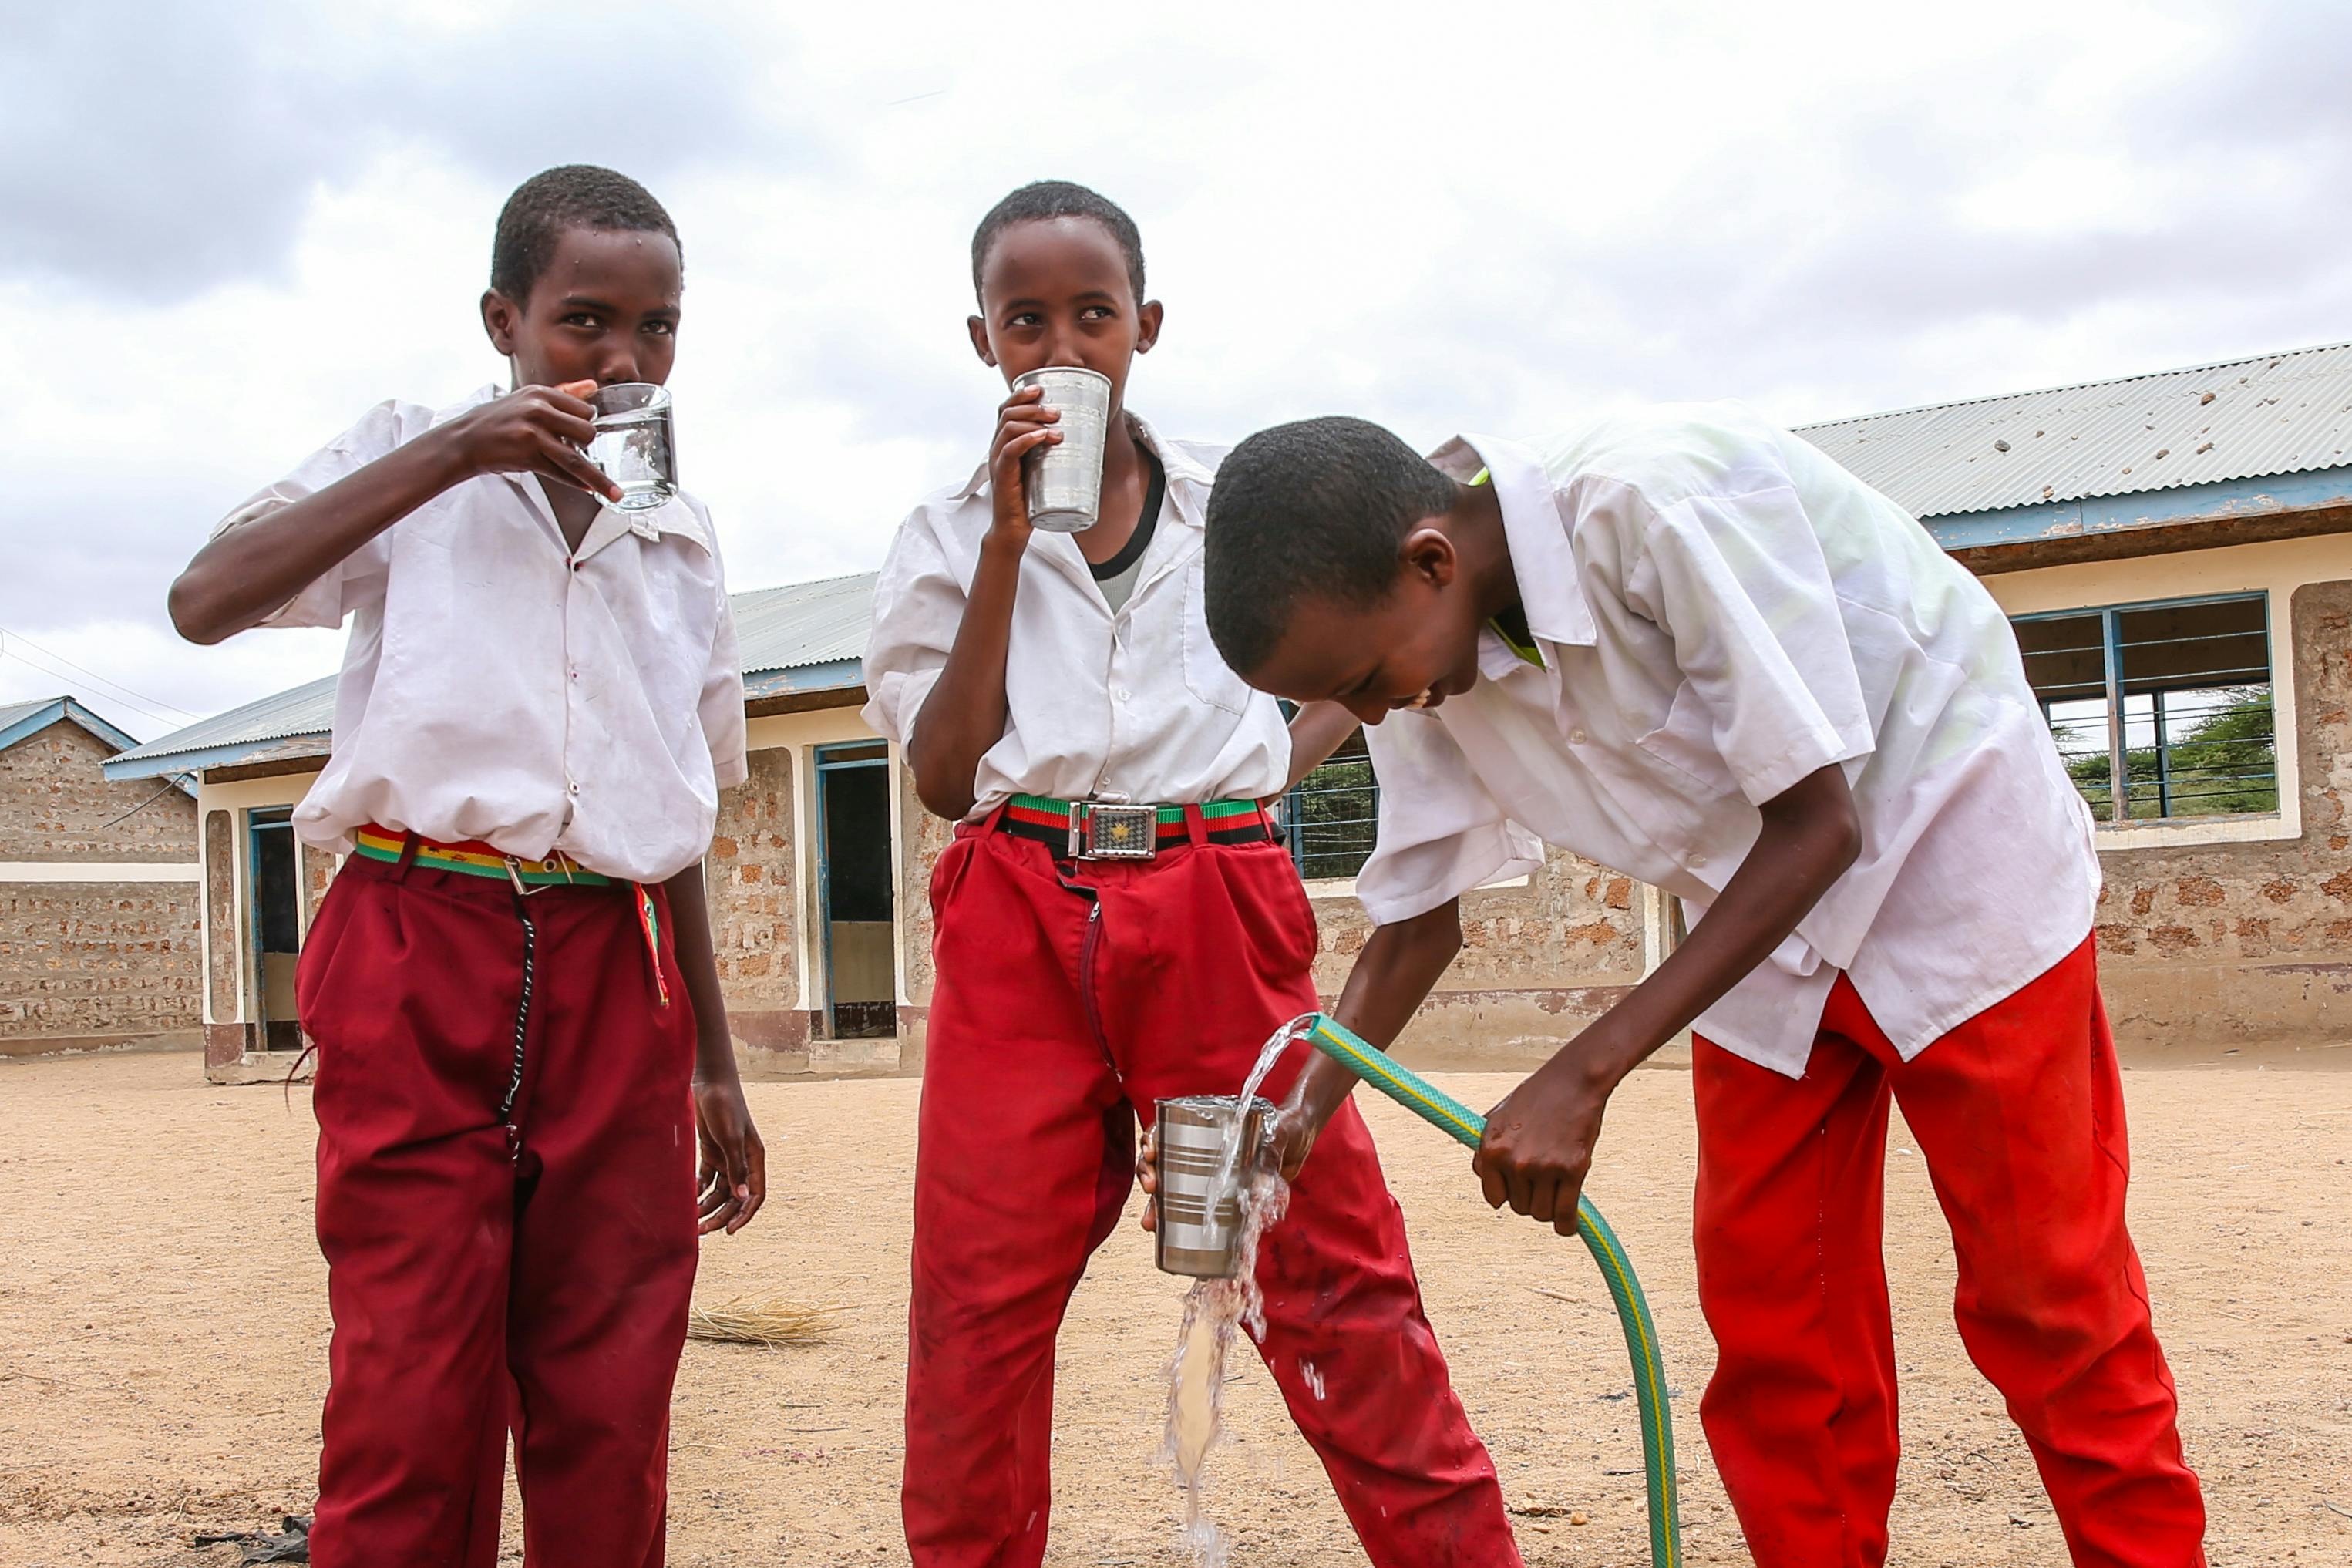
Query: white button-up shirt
x=498 y=686
x=1722 y=610
x=1132 y=707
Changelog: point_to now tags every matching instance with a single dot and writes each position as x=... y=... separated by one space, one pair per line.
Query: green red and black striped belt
x=1104 y=830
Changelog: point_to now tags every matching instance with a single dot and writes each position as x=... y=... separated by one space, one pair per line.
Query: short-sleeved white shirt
x=498 y=686
x=1131 y=706
x=1722 y=610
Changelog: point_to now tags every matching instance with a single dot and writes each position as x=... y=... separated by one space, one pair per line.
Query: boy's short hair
x=574 y=195
x=1046 y=199
x=1321 y=505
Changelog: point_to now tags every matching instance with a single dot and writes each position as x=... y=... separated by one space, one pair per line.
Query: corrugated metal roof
x=21 y=721
x=12 y=712
x=2246 y=419
x=307 y=710
x=805 y=622
x=792 y=628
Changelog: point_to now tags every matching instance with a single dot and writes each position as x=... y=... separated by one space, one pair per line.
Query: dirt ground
x=164 y=1326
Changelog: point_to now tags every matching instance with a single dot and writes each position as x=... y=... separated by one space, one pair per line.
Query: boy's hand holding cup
x=541 y=430
x=1024 y=424
x=1293 y=1136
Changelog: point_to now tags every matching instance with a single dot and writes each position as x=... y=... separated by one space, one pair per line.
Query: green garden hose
x=1448 y=1114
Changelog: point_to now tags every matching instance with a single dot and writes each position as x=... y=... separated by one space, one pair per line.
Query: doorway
x=857 y=897
x=274 y=885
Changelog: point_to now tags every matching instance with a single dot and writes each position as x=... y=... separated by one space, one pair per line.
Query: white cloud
x=1496 y=217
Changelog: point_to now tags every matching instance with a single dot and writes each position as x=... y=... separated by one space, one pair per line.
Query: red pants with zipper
x=1070 y=995
x=2019 y=1113
x=484 y=1280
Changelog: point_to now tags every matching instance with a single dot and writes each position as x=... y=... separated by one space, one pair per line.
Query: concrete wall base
x=69 y=1044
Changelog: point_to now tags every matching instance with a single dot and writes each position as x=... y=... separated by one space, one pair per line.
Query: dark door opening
x=276 y=890
x=857 y=900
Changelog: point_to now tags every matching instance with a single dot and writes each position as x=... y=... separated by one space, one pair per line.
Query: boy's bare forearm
x=1811 y=835
x=248 y=573
x=965 y=713
x=1393 y=977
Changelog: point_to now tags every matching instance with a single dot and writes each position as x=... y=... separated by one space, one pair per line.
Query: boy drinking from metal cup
x=1114 y=924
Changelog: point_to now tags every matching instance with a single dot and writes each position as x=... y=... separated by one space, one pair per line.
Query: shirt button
x=1123 y=694
x=1576 y=737
x=1697 y=861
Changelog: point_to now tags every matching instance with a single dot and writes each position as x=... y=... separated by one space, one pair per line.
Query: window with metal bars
x=1333 y=815
x=2174 y=699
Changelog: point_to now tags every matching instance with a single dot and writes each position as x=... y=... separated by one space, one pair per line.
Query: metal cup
x=635 y=446
x=1190 y=1151
x=1063 y=479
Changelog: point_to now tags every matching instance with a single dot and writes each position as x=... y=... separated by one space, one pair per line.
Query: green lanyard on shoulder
x=1527 y=651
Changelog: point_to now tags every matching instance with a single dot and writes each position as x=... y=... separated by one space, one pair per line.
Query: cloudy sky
x=230 y=228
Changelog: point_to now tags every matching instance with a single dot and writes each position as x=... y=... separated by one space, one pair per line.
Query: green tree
x=2226 y=764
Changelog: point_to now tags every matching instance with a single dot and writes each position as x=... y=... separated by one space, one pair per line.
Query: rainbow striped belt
x=474 y=858
x=1099 y=830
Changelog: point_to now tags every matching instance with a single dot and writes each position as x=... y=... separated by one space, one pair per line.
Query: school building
x=99 y=925
x=2174 y=549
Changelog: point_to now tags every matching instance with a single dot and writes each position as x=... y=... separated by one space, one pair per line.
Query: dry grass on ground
x=163 y=1331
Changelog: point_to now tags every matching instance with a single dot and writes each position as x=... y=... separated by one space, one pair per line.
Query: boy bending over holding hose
x=1691 y=648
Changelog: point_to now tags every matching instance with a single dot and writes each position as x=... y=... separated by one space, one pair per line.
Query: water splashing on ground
x=1215 y=1309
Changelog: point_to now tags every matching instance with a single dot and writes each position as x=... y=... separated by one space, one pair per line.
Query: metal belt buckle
x=1099 y=832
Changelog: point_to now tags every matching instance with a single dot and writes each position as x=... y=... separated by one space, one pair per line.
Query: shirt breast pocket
x=1206 y=674
x=1685 y=745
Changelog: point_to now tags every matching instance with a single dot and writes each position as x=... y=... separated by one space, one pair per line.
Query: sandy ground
x=163 y=1336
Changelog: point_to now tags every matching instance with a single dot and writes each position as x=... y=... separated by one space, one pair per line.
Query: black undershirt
x=1155 y=490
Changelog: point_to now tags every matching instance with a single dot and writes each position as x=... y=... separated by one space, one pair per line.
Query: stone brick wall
x=95 y=963
x=1538 y=963
x=56 y=804
x=221 y=990
x=755 y=913
x=91 y=964
x=2251 y=941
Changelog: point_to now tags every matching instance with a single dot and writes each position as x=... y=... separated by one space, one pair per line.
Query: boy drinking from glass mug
x=510 y=982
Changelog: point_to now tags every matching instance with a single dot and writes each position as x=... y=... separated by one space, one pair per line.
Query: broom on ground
x=764 y=1321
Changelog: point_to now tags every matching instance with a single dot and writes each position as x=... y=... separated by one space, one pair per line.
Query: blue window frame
x=2173 y=696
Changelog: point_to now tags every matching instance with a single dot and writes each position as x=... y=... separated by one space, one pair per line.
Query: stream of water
x=1215 y=1309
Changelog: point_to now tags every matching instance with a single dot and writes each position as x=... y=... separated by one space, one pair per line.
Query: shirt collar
x=674 y=516
x=1543 y=556
x=1174 y=462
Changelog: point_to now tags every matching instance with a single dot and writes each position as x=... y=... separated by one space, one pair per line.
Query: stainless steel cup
x=1064 y=479
x=635 y=446
x=1191 y=1239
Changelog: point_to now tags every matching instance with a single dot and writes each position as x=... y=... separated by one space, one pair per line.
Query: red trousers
x=483 y=1278
x=1071 y=995
x=2019 y=1113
